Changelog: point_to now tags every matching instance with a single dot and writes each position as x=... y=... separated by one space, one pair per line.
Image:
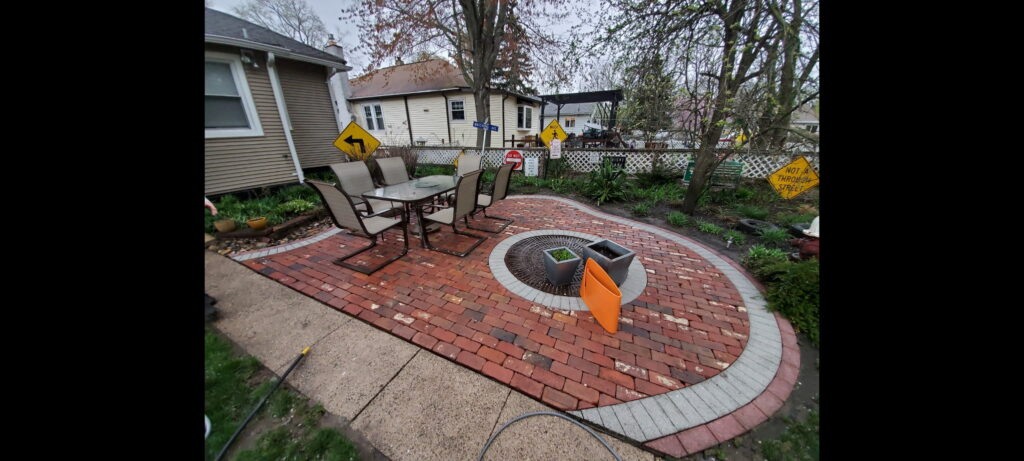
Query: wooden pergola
x=590 y=96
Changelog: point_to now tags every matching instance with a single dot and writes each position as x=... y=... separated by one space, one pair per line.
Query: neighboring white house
x=805 y=118
x=428 y=103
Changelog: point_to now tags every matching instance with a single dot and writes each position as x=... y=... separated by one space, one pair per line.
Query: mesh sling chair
x=393 y=170
x=359 y=223
x=484 y=201
x=355 y=180
x=464 y=202
x=468 y=163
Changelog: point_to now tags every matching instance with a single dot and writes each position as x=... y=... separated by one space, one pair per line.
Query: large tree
x=292 y=18
x=725 y=49
x=473 y=33
x=649 y=98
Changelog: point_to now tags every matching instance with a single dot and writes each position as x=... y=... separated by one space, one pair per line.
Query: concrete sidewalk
x=408 y=402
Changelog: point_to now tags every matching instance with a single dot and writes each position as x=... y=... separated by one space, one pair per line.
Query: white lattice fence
x=755 y=165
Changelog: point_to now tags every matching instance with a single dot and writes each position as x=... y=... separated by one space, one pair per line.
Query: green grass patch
x=774 y=237
x=788 y=219
x=677 y=219
x=736 y=236
x=710 y=228
x=230 y=396
x=800 y=441
x=431 y=170
x=642 y=209
x=751 y=211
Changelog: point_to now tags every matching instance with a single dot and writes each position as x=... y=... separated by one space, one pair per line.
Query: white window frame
x=451 y=112
x=572 y=125
x=248 y=105
x=527 y=118
x=373 y=111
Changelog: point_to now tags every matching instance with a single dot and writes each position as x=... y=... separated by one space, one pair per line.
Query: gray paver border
x=632 y=288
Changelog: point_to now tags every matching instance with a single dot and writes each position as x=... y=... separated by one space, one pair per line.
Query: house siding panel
x=429 y=121
x=314 y=128
x=234 y=164
x=396 y=128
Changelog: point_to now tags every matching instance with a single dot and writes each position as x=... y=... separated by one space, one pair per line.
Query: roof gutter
x=282 y=110
x=280 y=51
x=378 y=96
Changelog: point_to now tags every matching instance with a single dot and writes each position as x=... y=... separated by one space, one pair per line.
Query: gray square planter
x=617 y=267
x=561 y=272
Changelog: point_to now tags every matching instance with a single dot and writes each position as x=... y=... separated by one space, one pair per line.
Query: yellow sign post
x=794 y=179
x=356 y=142
x=553 y=130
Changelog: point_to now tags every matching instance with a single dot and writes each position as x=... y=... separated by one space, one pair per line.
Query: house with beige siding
x=428 y=103
x=270 y=111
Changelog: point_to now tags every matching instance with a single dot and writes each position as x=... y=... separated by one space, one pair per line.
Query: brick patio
x=688 y=325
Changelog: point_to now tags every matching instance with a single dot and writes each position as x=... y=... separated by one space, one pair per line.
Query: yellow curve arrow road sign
x=356 y=142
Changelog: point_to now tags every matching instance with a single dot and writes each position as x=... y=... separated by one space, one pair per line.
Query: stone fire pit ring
x=631 y=289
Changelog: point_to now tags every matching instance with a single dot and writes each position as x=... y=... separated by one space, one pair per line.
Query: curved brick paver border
x=701 y=415
x=631 y=289
x=710 y=412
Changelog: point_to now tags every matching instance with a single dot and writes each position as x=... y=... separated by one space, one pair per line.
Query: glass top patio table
x=415 y=190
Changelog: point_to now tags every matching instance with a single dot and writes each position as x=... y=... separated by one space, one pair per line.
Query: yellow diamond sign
x=553 y=130
x=358 y=143
x=794 y=179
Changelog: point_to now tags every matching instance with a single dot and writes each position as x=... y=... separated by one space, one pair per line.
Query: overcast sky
x=345 y=33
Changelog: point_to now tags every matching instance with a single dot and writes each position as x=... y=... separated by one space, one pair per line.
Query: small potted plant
x=257 y=223
x=561 y=264
x=612 y=257
x=225 y=225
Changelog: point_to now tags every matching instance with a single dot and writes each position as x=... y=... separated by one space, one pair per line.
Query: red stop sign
x=513 y=156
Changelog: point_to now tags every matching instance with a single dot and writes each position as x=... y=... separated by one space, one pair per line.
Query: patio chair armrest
x=372 y=215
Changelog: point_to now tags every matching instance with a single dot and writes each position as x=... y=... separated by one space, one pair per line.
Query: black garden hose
x=550 y=413
x=257 y=409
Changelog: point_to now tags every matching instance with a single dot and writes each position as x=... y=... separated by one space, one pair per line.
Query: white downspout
x=282 y=110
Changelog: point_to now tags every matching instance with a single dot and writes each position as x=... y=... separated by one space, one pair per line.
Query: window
x=374 y=117
x=524 y=118
x=458 y=109
x=230 y=111
x=813 y=128
x=570 y=122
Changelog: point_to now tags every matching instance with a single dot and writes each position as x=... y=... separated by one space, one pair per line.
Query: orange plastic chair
x=601 y=295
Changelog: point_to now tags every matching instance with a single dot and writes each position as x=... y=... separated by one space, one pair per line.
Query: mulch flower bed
x=304 y=231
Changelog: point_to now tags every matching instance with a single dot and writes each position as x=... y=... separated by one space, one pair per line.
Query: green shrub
x=658 y=175
x=760 y=257
x=657 y=194
x=710 y=228
x=743 y=194
x=606 y=184
x=295 y=207
x=736 y=236
x=751 y=211
x=793 y=291
x=677 y=219
x=556 y=168
x=299 y=192
x=431 y=170
x=325 y=176
x=774 y=237
x=642 y=208
x=564 y=185
x=788 y=219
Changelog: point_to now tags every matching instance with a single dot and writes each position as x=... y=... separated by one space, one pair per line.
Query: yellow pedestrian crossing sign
x=553 y=130
x=356 y=142
x=794 y=179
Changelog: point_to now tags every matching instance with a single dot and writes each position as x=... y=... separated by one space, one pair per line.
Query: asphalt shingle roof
x=583 y=108
x=226 y=25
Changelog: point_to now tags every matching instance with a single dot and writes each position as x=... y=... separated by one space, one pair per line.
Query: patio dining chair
x=467 y=164
x=463 y=203
x=498 y=192
x=355 y=180
x=359 y=223
x=393 y=170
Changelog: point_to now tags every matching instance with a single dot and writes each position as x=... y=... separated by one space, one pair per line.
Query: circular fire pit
x=518 y=264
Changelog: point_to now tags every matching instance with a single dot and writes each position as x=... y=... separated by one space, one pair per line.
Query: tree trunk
x=481 y=97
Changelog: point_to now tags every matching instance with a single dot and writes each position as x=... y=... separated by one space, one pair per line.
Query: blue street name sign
x=482 y=126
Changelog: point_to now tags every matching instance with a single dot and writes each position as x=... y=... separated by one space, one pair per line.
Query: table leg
x=423 y=229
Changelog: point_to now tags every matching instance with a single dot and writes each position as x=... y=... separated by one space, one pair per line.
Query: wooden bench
x=727 y=175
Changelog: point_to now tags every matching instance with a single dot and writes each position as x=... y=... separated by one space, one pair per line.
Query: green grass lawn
x=799 y=443
x=288 y=425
